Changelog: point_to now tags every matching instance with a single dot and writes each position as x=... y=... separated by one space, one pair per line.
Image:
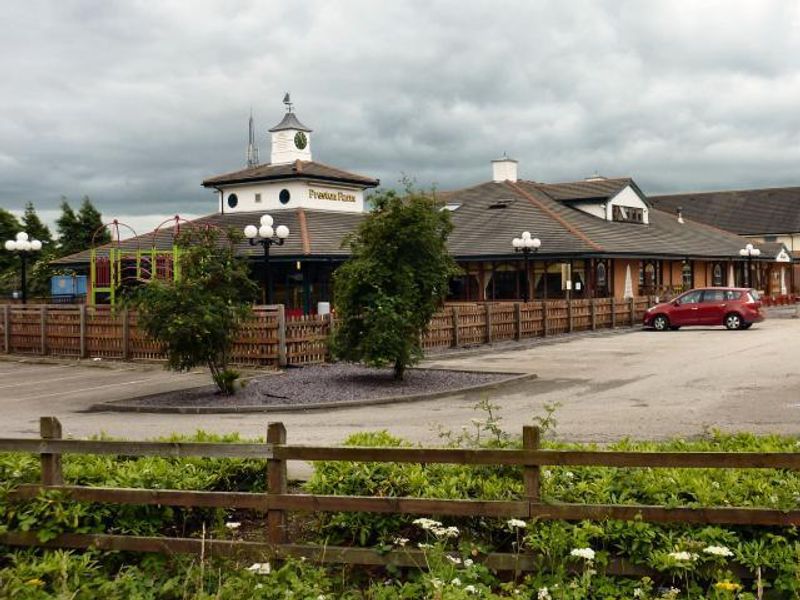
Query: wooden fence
x=270 y=338
x=277 y=501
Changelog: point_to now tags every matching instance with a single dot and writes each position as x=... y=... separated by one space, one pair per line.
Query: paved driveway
x=640 y=384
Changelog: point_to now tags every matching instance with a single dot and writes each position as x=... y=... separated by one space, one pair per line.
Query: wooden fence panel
x=140 y=346
x=603 y=313
x=581 y=315
x=472 y=325
x=307 y=340
x=440 y=330
x=103 y=333
x=531 y=315
x=556 y=316
x=257 y=343
x=64 y=331
x=25 y=329
x=503 y=322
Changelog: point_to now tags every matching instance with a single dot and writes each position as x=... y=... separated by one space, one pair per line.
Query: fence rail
x=277 y=501
x=270 y=338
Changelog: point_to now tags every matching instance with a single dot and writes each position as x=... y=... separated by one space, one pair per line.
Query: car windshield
x=754 y=297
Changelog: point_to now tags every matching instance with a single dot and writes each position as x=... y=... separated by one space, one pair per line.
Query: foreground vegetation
x=572 y=558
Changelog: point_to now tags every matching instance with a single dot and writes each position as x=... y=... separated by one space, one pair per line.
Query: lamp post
x=526 y=244
x=25 y=247
x=266 y=236
x=749 y=251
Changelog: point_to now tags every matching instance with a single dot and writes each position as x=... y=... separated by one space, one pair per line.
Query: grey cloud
x=134 y=103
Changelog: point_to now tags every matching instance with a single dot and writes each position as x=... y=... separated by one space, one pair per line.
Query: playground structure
x=122 y=265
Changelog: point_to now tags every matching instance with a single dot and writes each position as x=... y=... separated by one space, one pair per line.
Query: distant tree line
x=74 y=229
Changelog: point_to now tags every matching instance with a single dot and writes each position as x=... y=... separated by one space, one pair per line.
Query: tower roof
x=290 y=121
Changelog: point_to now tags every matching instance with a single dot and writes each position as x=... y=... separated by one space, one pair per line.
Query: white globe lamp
x=282 y=232
x=266 y=220
x=250 y=232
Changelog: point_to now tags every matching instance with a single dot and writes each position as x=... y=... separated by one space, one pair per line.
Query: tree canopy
x=76 y=230
x=197 y=318
x=394 y=281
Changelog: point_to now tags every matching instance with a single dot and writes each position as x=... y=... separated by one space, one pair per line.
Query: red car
x=735 y=308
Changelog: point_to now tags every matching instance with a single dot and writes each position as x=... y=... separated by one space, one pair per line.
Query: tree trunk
x=399 y=369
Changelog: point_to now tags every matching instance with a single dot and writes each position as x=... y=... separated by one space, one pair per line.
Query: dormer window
x=627 y=214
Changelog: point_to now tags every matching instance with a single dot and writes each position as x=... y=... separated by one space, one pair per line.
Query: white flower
x=445 y=532
x=638 y=592
x=321 y=597
x=258 y=586
x=468 y=562
x=456 y=581
x=436 y=582
x=400 y=541
x=718 y=551
x=233 y=525
x=424 y=546
x=260 y=568
x=543 y=594
x=516 y=524
x=470 y=589
x=453 y=559
x=683 y=556
x=585 y=553
x=427 y=524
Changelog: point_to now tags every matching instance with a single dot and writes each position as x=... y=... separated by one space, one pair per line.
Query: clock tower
x=291 y=140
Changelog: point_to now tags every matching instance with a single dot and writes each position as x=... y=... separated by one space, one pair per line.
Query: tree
x=9 y=227
x=78 y=231
x=395 y=280
x=34 y=226
x=197 y=318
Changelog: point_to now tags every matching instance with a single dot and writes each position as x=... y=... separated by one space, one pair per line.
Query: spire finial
x=288 y=102
x=252 y=149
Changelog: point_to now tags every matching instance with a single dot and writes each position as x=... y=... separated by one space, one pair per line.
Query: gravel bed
x=330 y=383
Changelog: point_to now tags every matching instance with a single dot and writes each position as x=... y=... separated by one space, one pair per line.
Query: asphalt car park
x=633 y=383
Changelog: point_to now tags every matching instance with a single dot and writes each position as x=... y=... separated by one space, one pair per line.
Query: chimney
x=504 y=169
x=680 y=214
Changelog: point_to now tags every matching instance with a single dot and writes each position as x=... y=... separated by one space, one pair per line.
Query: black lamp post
x=527 y=245
x=749 y=251
x=24 y=247
x=266 y=236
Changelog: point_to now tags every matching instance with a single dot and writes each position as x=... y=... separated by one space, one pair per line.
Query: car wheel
x=733 y=321
x=660 y=323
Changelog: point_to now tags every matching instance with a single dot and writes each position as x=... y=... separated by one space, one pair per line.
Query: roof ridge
x=553 y=214
x=736 y=191
x=700 y=223
x=301 y=219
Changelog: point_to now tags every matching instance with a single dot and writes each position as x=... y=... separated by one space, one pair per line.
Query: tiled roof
x=290 y=121
x=746 y=212
x=488 y=217
x=299 y=169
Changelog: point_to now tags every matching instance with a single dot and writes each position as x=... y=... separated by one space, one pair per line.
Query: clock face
x=300 y=140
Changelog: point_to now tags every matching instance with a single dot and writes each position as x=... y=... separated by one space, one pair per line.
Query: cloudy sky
x=134 y=103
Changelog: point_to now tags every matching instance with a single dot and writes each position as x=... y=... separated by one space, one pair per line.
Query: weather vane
x=288 y=102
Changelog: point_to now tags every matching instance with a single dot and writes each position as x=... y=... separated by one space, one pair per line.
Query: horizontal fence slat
x=741 y=460
x=165 y=449
x=186 y=498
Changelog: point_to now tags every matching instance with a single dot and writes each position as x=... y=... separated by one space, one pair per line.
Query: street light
x=25 y=247
x=526 y=244
x=266 y=235
x=749 y=251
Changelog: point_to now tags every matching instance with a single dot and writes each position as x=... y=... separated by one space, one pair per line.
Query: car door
x=711 y=309
x=685 y=308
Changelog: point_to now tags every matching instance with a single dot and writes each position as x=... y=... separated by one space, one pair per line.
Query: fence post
x=126 y=335
x=570 y=324
x=82 y=321
x=593 y=313
x=43 y=329
x=50 y=429
x=276 y=485
x=282 y=360
x=613 y=312
x=331 y=325
x=633 y=310
x=517 y=321
x=7 y=328
x=488 y=323
x=456 y=329
x=544 y=318
x=531 y=474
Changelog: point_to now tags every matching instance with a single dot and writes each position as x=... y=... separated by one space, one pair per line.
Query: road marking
x=96 y=387
x=41 y=381
x=35 y=367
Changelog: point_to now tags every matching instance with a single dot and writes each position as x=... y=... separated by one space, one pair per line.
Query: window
x=770 y=238
x=258 y=198
x=233 y=200
x=716 y=278
x=691 y=297
x=732 y=295
x=601 y=274
x=714 y=296
x=687 y=275
x=627 y=214
x=284 y=196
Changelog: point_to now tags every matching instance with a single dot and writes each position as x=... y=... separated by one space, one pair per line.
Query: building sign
x=330 y=195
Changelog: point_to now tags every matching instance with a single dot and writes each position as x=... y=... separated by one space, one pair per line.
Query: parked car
x=735 y=308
